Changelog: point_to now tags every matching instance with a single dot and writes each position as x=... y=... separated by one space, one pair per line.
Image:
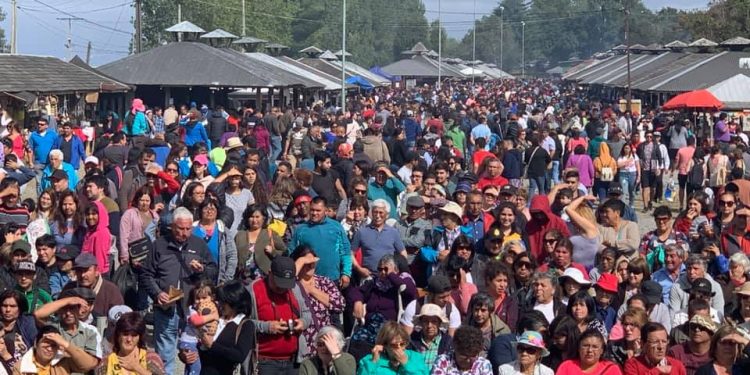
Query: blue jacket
x=429 y=253
x=47 y=172
x=412 y=130
x=42 y=145
x=77 y=151
x=139 y=127
x=330 y=242
x=194 y=133
x=390 y=191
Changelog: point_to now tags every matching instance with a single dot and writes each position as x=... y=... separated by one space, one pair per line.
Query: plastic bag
x=669 y=191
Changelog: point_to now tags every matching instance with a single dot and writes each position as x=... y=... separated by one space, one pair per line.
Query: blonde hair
x=389 y=331
x=637 y=314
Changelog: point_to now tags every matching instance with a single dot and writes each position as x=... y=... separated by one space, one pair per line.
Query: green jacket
x=344 y=365
x=458 y=136
x=35 y=298
x=414 y=365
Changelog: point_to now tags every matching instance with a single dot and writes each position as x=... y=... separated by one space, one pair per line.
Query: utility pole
x=629 y=97
x=179 y=19
x=343 y=56
x=523 y=49
x=69 y=43
x=243 y=18
x=502 y=9
x=13 y=28
x=440 y=44
x=474 y=46
x=88 y=54
x=138 y=27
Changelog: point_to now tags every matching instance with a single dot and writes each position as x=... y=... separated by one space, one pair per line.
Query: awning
x=23 y=96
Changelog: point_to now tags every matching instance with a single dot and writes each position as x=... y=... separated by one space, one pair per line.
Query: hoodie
x=537 y=228
x=98 y=240
x=195 y=132
x=376 y=149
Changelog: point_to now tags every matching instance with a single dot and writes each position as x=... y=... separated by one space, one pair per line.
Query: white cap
x=575 y=275
x=92 y=159
x=115 y=312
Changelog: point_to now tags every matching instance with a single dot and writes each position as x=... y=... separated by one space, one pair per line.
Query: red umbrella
x=694 y=99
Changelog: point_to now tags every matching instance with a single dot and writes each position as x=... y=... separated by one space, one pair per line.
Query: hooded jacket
x=604 y=160
x=98 y=240
x=376 y=149
x=217 y=126
x=679 y=295
x=195 y=132
x=537 y=228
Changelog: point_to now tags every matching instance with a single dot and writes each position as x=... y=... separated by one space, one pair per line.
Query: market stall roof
x=185 y=27
x=616 y=71
x=249 y=40
x=328 y=55
x=311 y=49
x=713 y=69
x=652 y=67
x=736 y=41
x=276 y=46
x=197 y=64
x=326 y=83
x=601 y=66
x=333 y=68
x=38 y=74
x=417 y=66
x=676 y=44
x=218 y=34
x=733 y=92
x=339 y=52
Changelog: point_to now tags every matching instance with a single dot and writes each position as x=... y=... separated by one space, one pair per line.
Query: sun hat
x=453 y=208
x=704 y=322
x=533 y=339
x=431 y=309
x=232 y=143
x=744 y=289
x=575 y=275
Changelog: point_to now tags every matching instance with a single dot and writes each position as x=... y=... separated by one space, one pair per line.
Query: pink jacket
x=98 y=240
x=131 y=229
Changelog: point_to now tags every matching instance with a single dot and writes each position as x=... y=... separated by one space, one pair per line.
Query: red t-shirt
x=479 y=156
x=573 y=367
x=638 y=366
x=690 y=360
x=272 y=306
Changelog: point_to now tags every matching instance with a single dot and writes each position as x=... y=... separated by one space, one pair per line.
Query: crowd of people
x=486 y=229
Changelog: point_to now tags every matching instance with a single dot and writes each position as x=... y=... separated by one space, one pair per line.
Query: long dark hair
x=60 y=218
x=453 y=261
x=583 y=296
x=257 y=188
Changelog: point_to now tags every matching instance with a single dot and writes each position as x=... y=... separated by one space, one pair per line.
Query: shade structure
x=694 y=99
x=359 y=81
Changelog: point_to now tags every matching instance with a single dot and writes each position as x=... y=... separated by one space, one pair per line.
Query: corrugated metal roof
x=703 y=42
x=219 y=34
x=357 y=70
x=412 y=68
x=322 y=65
x=185 y=27
x=325 y=82
x=602 y=76
x=644 y=71
x=249 y=40
x=712 y=70
x=312 y=70
x=39 y=74
x=733 y=92
x=311 y=49
x=197 y=64
x=596 y=68
x=328 y=55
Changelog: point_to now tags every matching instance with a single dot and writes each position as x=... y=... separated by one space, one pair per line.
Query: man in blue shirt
x=481 y=130
x=70 y=145
x=385 y=186
x=376 y=240
x=673 y=267
x=41 y=143
x=329 y=241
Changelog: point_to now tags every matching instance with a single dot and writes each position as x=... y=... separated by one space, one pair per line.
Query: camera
x=290 y=326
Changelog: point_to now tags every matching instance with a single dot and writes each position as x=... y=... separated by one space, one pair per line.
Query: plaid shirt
x=431 y=351
x=158 y=124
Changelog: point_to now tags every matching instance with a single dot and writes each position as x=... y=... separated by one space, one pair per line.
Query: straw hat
x=430 y=309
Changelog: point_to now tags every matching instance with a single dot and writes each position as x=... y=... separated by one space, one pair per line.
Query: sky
x=107 y=24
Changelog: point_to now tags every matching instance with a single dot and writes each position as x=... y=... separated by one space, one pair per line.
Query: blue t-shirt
x=375 y=244
x=482 y=131
x=42 y=145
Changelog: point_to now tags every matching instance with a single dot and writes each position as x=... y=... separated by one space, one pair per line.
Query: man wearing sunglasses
x=41 y=142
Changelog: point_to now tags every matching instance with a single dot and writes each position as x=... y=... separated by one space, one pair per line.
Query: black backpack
x=696 y=176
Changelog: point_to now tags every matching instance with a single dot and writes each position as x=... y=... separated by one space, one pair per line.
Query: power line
x=83 y=19
x=42 y=10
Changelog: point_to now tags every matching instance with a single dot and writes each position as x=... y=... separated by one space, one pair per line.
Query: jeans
x=166 y=327
x=537 y=185
x=38 y=169
x=600 y=189
x=627 y=181
x=555 y=172
x=195 y=367
x=277 y=367
x=275 y=147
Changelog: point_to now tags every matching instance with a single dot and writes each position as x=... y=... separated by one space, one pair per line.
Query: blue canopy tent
x=379 y=71
x=361 y=82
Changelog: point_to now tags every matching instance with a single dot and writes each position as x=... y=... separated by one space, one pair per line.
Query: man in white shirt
x=439 y=293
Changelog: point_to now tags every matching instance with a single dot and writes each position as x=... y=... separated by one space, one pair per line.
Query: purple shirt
x=721 y=132
x=585 y=168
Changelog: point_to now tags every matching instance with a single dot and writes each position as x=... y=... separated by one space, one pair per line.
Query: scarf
x=113 y=363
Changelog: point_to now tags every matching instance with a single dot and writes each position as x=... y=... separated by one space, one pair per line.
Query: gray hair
x=545 y=276
x=678 y=248
x=387 y=259
x=182 y=213
x=56 y=153
x=333 y=331
x=740 y=259
x=382 y=203
x=696 y=259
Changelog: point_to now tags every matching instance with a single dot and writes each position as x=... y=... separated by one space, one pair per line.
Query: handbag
x=138 y=249
x=526 y=168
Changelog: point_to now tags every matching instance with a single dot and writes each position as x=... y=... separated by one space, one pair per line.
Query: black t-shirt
x=537 y=159
x=325 y=185
x=67 y=149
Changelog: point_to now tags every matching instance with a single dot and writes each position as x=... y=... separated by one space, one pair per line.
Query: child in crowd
x=203 y=317
x=25 y=273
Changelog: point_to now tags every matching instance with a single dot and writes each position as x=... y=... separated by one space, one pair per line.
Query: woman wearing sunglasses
x=390 y=356
x=530 y=348
x=465 y=359
x=589 y=360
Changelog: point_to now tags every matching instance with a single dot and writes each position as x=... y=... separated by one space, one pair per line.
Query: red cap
x=302 y=199
x=607 y=282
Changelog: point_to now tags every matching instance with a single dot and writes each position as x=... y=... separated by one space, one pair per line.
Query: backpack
x=696 y=177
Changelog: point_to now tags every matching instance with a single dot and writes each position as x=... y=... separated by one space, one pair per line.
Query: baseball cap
x=652 y=290
x=25 y=265
x=614 y=190
x=92 y=160
x=67 y=252
x=304 y=198
x=415 y=201
x=115 y=312
x=704 y=322
x=575 y=275
x=657 y=134
x=508 y=190
x=494 y=234
x=85 y=260
x=464 y=187
x=86 y=294
x=438 y=284
x=58 y=174
x=701 y=285
x=20 y=245
x=284 y=272
x=201 y=159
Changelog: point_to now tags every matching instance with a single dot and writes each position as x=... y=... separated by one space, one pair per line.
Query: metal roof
x=357 y=70
x=419 y=48
x=276 y=46
x=713 y=69
x=38 y=74
x=644 y=71
x=676 y=44
x=596 y=68
x=733 y=92
x=219 y=34
x=326 y=83
x=419 y=66
x=249 y=40
x=311 y=49
x=185 y=27
x=338 y=53
x=703 y=42
x=328 y=55
x=736 y=41
x=197 y=64
x=312 y=69
x=615 y=71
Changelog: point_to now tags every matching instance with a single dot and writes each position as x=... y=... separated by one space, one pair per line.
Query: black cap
x=438 y=284
x=85 y=293
x=614 y=190
x=652 y=290
x=25 y=266
x=58 y=174
x=508 y=190
x=67 y=252
x=284 y=272
x=494 y=234
x=701 y=285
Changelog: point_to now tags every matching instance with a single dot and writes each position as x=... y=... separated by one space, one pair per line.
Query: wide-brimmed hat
x=704 y=322
x=575 y=275
x=743 y=289
x=430 y=309
x=533 y=339
x=138 y=105
x=232 y=143
x=453 y=208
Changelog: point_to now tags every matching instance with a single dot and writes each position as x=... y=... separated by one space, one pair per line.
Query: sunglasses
x=382 y=269
x=661 y=219
x=172 y=170
x=528 y=349
x=360 y=191
x=550 y=240
x=726 y=203
x=526 y=265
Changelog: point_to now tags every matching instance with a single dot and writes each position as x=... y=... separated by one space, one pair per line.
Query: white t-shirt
x=514 y=368
x=408 y=318
x=547 y=309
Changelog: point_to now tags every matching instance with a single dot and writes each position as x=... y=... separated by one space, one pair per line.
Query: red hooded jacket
x=536 y=229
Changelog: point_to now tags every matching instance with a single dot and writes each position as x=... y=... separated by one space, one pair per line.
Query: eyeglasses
x=397 y=344
x=550 y=240
x=171 y=170
x=526 y=265
x=527 y=349
x=661 y=219
x=693 y=327
x=726 y=203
